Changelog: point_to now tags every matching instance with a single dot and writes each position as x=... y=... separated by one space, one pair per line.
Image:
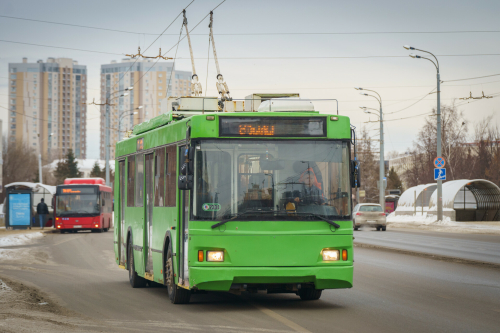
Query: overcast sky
x=400 y=80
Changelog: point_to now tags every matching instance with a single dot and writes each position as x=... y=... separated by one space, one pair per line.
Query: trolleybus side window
x=171 y=177
x=131 y=181
x=160 y=178
x=139 y=188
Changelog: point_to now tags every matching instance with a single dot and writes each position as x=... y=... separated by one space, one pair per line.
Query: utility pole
x=107 y=141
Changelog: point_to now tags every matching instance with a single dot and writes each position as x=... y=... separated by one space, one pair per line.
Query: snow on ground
x=19 y=239
x=429 y=222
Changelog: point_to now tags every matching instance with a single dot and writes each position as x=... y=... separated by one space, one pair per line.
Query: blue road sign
x=439 y=162
x=440 y=174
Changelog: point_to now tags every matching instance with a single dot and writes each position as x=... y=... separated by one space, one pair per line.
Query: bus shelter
x=463 y=200
x=21 y=200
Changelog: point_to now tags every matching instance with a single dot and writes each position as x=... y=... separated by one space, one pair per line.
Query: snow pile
x=19 y=239
x=429 y=222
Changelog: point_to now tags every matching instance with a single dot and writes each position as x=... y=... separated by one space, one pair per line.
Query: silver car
x=369 y=214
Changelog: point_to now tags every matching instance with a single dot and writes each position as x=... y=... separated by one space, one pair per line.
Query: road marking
x=446 y=297
x=281 y=319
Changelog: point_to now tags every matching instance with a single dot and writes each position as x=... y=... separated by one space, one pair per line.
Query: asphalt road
x=485 y=248
x=392 y=293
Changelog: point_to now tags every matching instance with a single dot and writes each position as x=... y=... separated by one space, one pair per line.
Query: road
x=392 y=293
x=477 y=247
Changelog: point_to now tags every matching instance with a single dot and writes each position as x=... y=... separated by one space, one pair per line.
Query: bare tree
x=368 y=168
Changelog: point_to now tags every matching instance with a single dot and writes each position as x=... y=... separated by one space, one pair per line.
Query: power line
x=263 y=58
x=259 y=34
x=471 y=78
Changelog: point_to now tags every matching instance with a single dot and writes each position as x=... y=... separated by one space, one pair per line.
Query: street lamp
x=123 y=115
x=40 y=158
x=439 y=182
x=382 y=164
x=108 y=100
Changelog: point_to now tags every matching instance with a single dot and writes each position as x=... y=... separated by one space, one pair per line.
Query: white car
x=369 y=214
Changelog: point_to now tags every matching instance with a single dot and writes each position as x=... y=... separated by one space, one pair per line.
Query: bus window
x=139 y=176
x=171 y=177
x=160 y=178
x=255 y=188
x=212 y=184
x=131 y=181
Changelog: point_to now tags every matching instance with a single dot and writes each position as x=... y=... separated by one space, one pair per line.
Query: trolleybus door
x=149 y=210
x=183 y=229
x=121 y=238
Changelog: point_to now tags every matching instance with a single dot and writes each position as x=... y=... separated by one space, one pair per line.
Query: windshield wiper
x=240 y=215
x=274 y=212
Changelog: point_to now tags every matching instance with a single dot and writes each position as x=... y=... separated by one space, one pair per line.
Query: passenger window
x=139 y=189
x=160 y=178
x=171 y=178
x=131 y=181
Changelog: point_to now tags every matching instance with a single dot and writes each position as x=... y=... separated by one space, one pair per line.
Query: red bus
x=83 y=204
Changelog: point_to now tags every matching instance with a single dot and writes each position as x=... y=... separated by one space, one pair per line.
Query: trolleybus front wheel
x=309 y=294
x=176 y=294
x=135 y=280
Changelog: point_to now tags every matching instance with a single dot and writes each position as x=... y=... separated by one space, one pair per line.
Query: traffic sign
x=439 y=162
x=439 y=174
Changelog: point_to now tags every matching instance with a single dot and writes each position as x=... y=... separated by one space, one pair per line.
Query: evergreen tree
x=68 y=168
x=393 y=181
x=96 y=170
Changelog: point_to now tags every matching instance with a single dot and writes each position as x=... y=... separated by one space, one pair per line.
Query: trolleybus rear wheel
x=176 y=294
x=309 y=294
x=135 y=280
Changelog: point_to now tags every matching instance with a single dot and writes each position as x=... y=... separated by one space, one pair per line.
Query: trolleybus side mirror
x=185 y=182
x=187 y=168
x=355 y=174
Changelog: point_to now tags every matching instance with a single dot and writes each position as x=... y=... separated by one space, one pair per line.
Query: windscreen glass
x=271 y=180
x=78 y=204
x=370 y=209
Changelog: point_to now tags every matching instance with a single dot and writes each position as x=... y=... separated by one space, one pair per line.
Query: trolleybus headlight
x=215 y=255
x=330 y=255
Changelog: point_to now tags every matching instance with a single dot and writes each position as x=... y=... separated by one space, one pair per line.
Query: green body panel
x=255 y=251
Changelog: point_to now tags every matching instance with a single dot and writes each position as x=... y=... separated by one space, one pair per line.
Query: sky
x=320 y=49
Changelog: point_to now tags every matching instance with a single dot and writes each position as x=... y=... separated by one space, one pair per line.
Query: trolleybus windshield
x=271 y=179
x=77 y=201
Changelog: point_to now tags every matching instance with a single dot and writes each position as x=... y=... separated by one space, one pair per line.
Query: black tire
x=310 y=294
x=176 y=294
x=383 y=228
x=135 y=280
x=378 y=228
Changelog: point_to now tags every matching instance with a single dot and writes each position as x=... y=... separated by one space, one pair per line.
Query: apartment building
x=46 y=110
x=151 y=81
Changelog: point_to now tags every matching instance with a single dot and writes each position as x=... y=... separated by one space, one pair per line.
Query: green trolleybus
x=237 y=201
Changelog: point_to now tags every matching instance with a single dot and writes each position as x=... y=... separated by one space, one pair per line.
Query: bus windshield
x=77 y=205
x=271 y=179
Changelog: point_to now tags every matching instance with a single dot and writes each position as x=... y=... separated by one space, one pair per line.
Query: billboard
x=19 y=209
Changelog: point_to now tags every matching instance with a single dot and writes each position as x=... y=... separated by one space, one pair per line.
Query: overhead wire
x=258 y=34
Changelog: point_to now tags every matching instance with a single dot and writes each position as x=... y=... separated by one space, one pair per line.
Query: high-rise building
x=46 y=110
x=151 y=82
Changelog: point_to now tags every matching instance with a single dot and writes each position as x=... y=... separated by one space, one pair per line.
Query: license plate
x=370 y=221
x=77 y=226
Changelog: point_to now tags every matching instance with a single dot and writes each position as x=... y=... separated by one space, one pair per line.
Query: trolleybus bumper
x=221 y=278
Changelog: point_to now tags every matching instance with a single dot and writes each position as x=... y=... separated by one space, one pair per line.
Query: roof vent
x=286 y=105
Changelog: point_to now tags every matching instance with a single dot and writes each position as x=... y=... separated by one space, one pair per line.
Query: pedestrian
x=42 y=210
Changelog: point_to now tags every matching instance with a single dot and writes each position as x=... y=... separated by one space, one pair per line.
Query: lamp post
x=382 y=164
x=438 y=143
x=123 y=115
x=40 y=158
x=108 y=99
